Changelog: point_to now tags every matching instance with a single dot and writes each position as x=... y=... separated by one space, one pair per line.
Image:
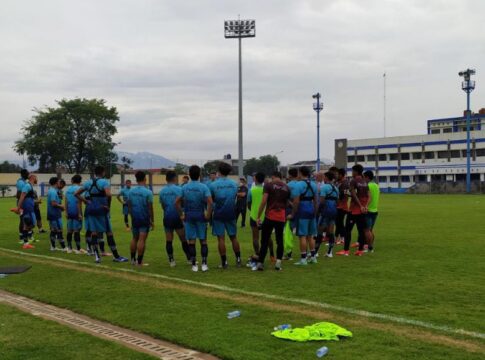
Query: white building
x=402 y=161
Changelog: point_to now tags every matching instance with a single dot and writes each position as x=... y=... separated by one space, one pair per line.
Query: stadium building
x=428 y=161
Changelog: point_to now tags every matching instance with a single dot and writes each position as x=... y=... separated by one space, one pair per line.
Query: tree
x=210 y=166
x=77 y=134
x=265 y=164
x=126 y=163
x=180 y=169
x=8 y=167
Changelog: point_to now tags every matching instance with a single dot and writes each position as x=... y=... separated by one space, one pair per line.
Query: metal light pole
x=468 y=85
x=240 y=29
x=318 y=106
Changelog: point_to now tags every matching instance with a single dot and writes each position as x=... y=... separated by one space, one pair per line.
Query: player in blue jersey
x=304 y=212
x=21 y=181
x=197 y=206
x=54 y=213
x=171 y=219
x=123 y=199
x=26 y=207
x=74 y=215
x=224 y=193
x=98 y=201
x=140 y=206
x=329 y=196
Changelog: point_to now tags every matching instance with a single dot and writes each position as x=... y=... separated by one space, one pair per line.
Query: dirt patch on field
x=408 y=331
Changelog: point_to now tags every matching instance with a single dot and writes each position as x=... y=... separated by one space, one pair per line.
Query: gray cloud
x=173 y=77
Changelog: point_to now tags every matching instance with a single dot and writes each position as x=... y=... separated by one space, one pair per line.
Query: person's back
x=374 y=192
x=72 y=202
x=255 y=198
x=307 y=190
x=224 y=191
x=194 y=195
x=29 y=201
x=362 y=192
x=53 y=213
x=139 y=199
x=96 y=193
x=167 y=196
x=278 y=196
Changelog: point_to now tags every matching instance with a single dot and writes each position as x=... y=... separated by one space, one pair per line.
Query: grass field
x=419 y=296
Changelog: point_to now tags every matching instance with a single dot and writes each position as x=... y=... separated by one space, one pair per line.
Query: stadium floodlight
x=318 y=106
x=468 y=86
x=238 y=29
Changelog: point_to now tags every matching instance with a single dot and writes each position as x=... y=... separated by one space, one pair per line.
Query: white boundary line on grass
x=391 y=318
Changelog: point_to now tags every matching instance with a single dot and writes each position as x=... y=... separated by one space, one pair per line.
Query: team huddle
x=319 y=210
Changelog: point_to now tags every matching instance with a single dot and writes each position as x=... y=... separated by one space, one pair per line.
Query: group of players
x=319 y=210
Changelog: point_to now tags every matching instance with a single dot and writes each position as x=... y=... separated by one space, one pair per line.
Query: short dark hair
x=342 y=171
x=76 y=179
x=330 y=175
x=170 y=176
x=62 y=182
x=99 y=170
x=194 y=172
x=24 y=173
x=242 y=179
x=369 y=174
x=259 y=176
x=53 y=180
x=305 y=171
x=277 y=174
x=224 y=168
x=140 y=176
x=293 y=172
x=333 y=169
x=359 y=169
x=128 y=181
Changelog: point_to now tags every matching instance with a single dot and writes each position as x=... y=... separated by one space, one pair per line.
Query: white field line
x=391 y=318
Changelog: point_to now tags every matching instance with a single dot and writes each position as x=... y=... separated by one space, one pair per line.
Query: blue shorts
x=141 y=229
x=74 y=225
x=219 y=227
x=306 y=227
x=125 y=210
x=196 y=230
x=55 y=225
x=29 y=219
x=172 y=224
x=326 y=221
x=98 y=224
x=370 y=220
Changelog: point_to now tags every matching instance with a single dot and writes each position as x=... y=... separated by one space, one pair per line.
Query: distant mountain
x=146 y=160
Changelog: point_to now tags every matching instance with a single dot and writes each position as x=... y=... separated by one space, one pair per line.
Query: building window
x=405 y=156
x=382 y=157
x=435 y=131
x=455 y=154
x=480 y=152
x=360 y=158
x=463 y=153
x=442 y=154
x=371 y=158
x=382 y=179
x=429 y=155
x=393 y=157
x=394 y=179
x=350 y=159
x=447 y=130
x=405 y=178
x=417 y=156
x=422 y=178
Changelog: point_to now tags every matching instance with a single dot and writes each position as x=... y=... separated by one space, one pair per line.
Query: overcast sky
x=173 y=77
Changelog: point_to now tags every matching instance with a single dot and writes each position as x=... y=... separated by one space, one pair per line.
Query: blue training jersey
x=293 y=186
x=95 y=190
x=29 y=203
x=53 y=213
x=72 y=209
x=194 y=195
x=124 y=193
x=306 y=190
x=224 y=192
x=167 y=197
x=20 y=184
x=139 y=199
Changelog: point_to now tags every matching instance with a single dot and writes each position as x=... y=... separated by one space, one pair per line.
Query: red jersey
x=362 y=189
x=278 y=196
x=343 y=196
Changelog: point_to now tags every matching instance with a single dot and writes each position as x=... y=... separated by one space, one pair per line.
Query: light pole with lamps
x=318 y=106
x=468 y=86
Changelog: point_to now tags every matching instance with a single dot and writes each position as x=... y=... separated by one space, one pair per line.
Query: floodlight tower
x=318 y=106
x=467 y=86
x=238 y=29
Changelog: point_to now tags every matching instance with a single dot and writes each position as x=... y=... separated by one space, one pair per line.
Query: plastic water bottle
x=233 y=314
x=282 y=327
x=322 y=351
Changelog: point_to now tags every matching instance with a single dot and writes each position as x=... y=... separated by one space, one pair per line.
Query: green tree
x=77 y=134
x=8 y=167
x=180 y=169
x=265 y=164
x=126 y=163
x=210 y=166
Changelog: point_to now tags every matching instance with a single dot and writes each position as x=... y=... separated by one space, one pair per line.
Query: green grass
x=24 y=336
x=428 y=266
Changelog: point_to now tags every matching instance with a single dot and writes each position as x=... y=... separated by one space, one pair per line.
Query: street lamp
x=318 y=106
x=467 y=86
x=238 y=29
